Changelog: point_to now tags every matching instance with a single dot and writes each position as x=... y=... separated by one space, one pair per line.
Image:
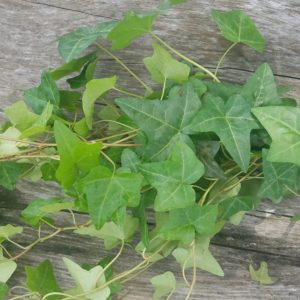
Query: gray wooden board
x=29 y=30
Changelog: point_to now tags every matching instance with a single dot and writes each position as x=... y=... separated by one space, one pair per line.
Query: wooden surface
x=29 y=30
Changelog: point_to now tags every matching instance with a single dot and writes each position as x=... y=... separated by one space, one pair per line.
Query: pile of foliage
x=167 y=167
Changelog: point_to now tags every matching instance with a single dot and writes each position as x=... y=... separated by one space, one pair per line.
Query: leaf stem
x=118 y=60
x=194 y=273
x=163 y=90
x=223 y=56
x=127 y=93
x=184 y=57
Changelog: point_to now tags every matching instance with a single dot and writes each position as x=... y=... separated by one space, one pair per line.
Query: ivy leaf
x=231 y=206
x=7 y=268
x=282 y=123
x=164 y=284
x=238 y=27
x=224 y=89
x=88 y=280
x=42 y=280
x=130 y=160
x=3 y=290
x=173 y=178
x=9 y=231
x=261 y=275
x=74 y=154
x=261 y=89
x=8 y=142
x=295 y=218
x=95 y=89
x=279 y=179
x=10 y=173
x=131 y=27
x=72 y=44
x=163 y=122
x=184 y=221
x=74 y=65
x=106 y=192
x=167 y=4
x=231 y=121
x=204 y=260
x=47 y=92
x=69 y=100
x=162 y=66
x=40 y=208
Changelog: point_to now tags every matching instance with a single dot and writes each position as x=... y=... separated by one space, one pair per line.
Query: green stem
x=163 y=90
x=127 y=93
x=184 y=57
x=118 y=60
x=223 y=56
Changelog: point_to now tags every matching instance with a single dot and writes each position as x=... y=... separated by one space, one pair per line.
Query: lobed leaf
x=164 y=284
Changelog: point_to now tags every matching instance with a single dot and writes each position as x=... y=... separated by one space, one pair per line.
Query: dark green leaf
x=132 y=26
x=231 y=121
x=224 y=90
x=69 y=100
x=282 y=123
x=42 y=280
x=238 y=27
x=3 y=290
x=173 y=178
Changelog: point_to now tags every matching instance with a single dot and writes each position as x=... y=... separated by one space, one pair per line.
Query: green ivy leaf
x=295 y=218
x=72 y=44
x=131 y=27
x=40 y=208
x=261 y=89
x=88 y=280
x=282 y=123
x=238 y=27
x=8 y=144
x=74 y=154
x=162 y=66
x=47 y=92
x=173 y=178
x=10 y=173
x=231 y=206
x=42 y=280
x=167 y=4
x=224 y=90
x=279 y=178
x=70 y=100
x=204 y=260
x=3 y=290
x=7 y=267
x=9 y=231
x=163 y=122
x=231 y=121
x=261 y=275
x=164 y=284
x=183 y=222
x=106 y=192
x=95 y=89
x=74 y=65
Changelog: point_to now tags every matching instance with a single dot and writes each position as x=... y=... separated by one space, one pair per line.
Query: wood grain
x=29 y=31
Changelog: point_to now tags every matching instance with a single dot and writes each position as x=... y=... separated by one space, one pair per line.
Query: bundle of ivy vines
x=187 y=155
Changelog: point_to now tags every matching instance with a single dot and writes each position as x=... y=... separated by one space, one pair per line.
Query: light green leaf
x=95 y=89
x=164 y=284
x=279 y=179
x=283 y=125
x=7 y=268
x=87 y=281
x=163 y=121
x=261 y=89
x=173 y=178
x=8 y=142
x=20 y=116
x=39 y=208
x=204 y=260
x=74 y=154
x=231 y=206
x=3 y=290
x=47 y=92
x=42 y=280
x=295 y=218
x=162 y=66
x=132 y=26
x=187 y=220
x=106 y=192
x=261 y=275
x=231 y=121
x=238 y=27
x=9 y=231
x=10 y=173
x=167 y=4
x=74 y=65
x=73 y=43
